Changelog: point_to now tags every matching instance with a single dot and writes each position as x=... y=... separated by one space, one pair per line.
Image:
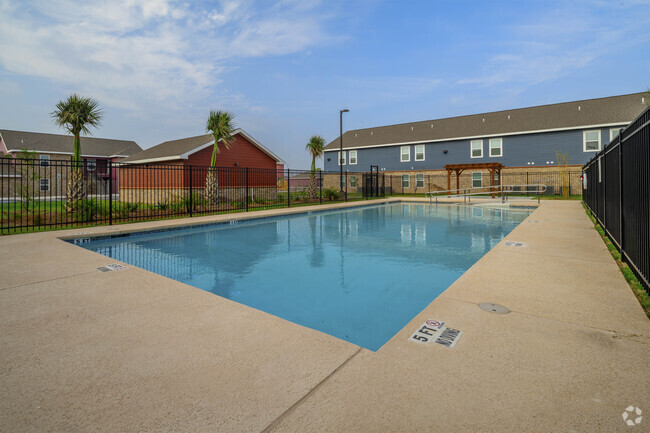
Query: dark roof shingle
x=172 y=148
x=37 y=141
x=613 y=109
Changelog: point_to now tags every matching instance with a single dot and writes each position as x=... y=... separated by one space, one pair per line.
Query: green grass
x=632 y=280
x=134 y=219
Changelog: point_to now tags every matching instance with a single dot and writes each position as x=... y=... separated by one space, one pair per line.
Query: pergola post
x=491 y=170
x=494 y=168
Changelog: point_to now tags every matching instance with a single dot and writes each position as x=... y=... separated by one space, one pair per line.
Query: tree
x=315 y=149
x=76 y=114
x=220 y=124
x=28 y=167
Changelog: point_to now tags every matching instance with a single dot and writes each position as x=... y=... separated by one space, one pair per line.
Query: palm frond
x=77 y=113
x=315 y=146
x=221 y=125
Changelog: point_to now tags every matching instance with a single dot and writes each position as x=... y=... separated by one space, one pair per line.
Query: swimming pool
x=359 y=274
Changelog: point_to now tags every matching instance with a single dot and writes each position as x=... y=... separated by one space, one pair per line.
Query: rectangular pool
x=359 y=274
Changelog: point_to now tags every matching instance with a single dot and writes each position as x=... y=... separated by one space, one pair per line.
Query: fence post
x=191 y=182
x=110 y=192
x=346 y=186
x=320 y=185
x=526 y=184
x=621 y=241
x=246 y=197
x=288 y=187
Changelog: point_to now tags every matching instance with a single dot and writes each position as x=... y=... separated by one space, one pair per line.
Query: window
x=406 y=181
x=342 y=158
x=613 y=133
x=405 y=153
x=91 y=164
x=45 y=184
x=45 y=160
x=353 y=179
x=477 y=180
x=496 y=147
x=476 y=148
x=591 y=141
x=419 y=152
x=419 y=180
x=353 y=157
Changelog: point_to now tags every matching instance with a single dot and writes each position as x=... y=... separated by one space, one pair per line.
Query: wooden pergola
x=492 y=167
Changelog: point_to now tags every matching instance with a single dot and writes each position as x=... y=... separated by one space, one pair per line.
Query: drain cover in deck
x=493 y=308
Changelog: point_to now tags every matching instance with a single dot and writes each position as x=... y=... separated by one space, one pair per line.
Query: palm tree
x=315 y=148
x=220 y=124
x=76 y=114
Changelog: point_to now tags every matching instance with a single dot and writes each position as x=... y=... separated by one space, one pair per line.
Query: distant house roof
x=184 y=147
x=613 y=110
x=16 y=141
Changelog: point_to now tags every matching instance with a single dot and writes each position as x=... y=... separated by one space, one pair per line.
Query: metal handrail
x=502 y=190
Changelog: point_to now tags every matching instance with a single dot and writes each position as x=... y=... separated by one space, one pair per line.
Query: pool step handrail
x=503 y=190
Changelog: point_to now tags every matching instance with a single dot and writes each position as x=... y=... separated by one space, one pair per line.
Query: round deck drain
x=493 y=308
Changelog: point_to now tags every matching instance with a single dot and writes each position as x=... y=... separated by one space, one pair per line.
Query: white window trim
x=423 y=152
x=40 y=184
x=500 y=147
x=351 y=152
x=417 y=175
x=584 y=141
x=471 y=148
x=341 y=158
x=354 y=179
x=612 y=136
x=408 y=180
x=477 y=172
x=44 y=158
x=408 y=154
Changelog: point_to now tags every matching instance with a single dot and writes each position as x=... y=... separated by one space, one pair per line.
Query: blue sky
x=286 y=67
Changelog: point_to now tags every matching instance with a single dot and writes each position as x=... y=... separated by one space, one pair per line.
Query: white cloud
x=135 y=53
x=553 y=45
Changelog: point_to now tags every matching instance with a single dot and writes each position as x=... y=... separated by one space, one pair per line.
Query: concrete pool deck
x=84 y=350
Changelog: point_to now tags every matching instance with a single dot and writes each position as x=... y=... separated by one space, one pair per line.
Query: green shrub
x=188 y=204
x=87 y=210
x=162 y=205
x=124 y=209
x=331 y=194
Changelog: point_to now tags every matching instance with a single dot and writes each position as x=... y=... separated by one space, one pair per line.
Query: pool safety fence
x=616 y=189
x=563 y=181
x=37 y=193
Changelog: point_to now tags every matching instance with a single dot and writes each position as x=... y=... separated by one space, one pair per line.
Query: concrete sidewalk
x=133 y=351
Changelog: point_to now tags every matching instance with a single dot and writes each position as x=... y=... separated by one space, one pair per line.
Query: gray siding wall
x=517 y=151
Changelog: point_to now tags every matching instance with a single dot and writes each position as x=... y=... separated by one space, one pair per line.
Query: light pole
x=345 y=110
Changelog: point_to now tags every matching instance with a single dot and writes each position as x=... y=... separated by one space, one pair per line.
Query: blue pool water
x=359 y=274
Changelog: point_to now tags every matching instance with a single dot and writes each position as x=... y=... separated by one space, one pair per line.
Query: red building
x=169 y=167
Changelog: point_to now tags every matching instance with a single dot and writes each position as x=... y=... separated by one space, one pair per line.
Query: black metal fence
x=556 y=181
x=616 y=189
x=34 y=193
